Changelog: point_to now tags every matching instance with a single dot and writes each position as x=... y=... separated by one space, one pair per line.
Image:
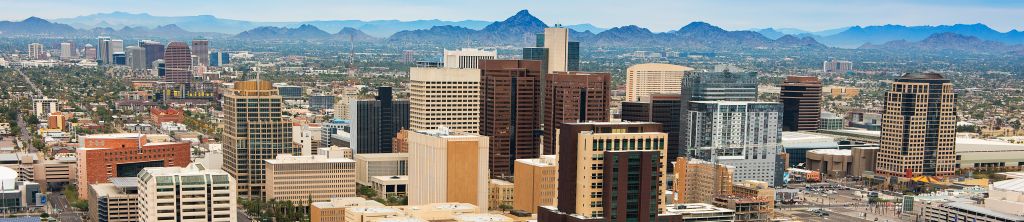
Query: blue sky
x=658 y=15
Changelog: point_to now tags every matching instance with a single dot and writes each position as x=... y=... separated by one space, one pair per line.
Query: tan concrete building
x=51 y=174
x=380 y=164
x=192 y=193
x=756 y=189
x=698 y=181
x=536 y=183
x=863 y=160
x=653 y=78
x=499 y=193
x=254 y=131
x=448 y=97
x=918 y=127
x=334 y=210
x=556 y=40
x=447 y=166
x=843 y=92
x=116 y=201
x=746 y=208
x=390 y=185
x=335 y=152
x=832 y=162
x=299 y=178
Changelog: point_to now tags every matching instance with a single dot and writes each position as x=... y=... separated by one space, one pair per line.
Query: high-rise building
x=556 y=40
x=837 y=66
x=331 y=128
x=745 y=135
x=90 y=52
x=653 y=78
x=178 y=63
x=159 y=68
x=136 y=57
x=658 y=108
x=321 y=102
x=253 y=135
x=154 y=51
x=628 y=178
x=447 y=166
x=448 y=97
x=509 y=101
x=466 y=58
x=723 y=86
x=104 y=156
x=103 y=50
x=301 y=178
x=345 y=99
x=67 y=50
x=698 y=181
x=114 y=46
x=36 y=51
x=376 y=122
x=42 y=107
x=119 y=58
x=201 y=48
x=536 y=183
x=574 y=97
x=801 y=103
x=192 y=193
x=219 y=58
x=918 y=127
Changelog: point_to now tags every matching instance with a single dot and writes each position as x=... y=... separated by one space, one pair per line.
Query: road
x=26 y=137
x=843 y=205
x=30 y=83
x=61 y=209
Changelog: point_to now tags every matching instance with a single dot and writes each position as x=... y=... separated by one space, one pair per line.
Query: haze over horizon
x=657 y=15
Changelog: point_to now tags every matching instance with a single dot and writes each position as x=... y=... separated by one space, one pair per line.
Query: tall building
x=653 y=78
x=90 y=51
x=154 y=51
x=509 y=101
x=658 y=108
x=114 y=46
x=745 y=135
x=201 y=48
x=574 y=97
x=192 y=193
x=376 y=122
x=918 y=127
x=36 y=51
x=136 y=57
x=600 y=192
x=447 y=166
x=67 y=50
x=447 y=97
x=219 y=58
x=104 y=156
x=177 y=63
x=837 y=66
x=345 y=97
x=467 y=57
x=42 y=107
x=698 y=181
x=301 y=178
x=801 y=103
x=252 y=136
x=556 y=40
x=536 y=183
x=723 y=86
x=103 y=50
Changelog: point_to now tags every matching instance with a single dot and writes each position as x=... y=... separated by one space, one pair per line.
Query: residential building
x=725 y=86
x=177 y=63
x=653 y=78
x=117 y=201
x=447 y=166
x=466 y=57
x=658 y=108
x=536 y=183
x=36 y=51
x=500 y=194
x=104 y=156
x=918 y=127
x=801 y=103
x=369 y=165
x=448 y=97
x=509 y=104
x=253 y=135
x=192 y=193
x=42 y=107
x=574 y=97
x=334 y=210
x=302 y=178
x=376 y=122
x=698 y=181
x=745 y=135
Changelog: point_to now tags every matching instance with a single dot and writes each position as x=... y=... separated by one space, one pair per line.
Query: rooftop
x=833 y=152
x=695 y=208
x=544 y=160
x=1010 y=185
x=290 y=159
x=482 y=217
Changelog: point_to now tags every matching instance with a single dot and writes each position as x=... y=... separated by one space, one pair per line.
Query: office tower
x=192 y=193
x=653 y=78
x=114 y=46
x=159 y=68
x=536 y=183
x=369 y=165
x=537 y=53
x=509 y=104
x=321 y=102
x=918 y=127
x=573 y=56
x=658 y=108
x=136 y=57
x=178 y=64
x=301 y=178
x=218 y=58
x=466 y=58
x=117 y=201
x=801 y=103
x=119 y=58
x=376 y=122
x=837 y=66
x=331 y=128
x=104 y=156
x=446 y=166
x=556 y=40
x=201 y=48
x=42 y=107
x=618 y=150
x=67 y=50
x=154 y=51
x=36 y=51
x=698 y=181
x=723 y=86
x=574 y=97
x=745 y=135
x=253 y=135
x=347 y=95
x=103 y=50
x=448 y=97
x=90 y=52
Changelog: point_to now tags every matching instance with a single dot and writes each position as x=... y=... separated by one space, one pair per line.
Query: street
x=61 y=209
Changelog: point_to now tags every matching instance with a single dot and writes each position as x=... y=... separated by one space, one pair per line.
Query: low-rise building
x=536 y=183
x=1005 y=202
x=700 y=212
x=301 y=178
x=500 y=193
x=386 y=186
x=746 y=208
x=334 y=210
x=380 y=164
x=117 y=201
x=425 y=212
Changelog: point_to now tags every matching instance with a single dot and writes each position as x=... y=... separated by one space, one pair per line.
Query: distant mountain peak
x=700 y=26
x=34 y=19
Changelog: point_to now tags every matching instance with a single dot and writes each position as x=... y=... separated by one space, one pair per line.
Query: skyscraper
x=652 y=78
x=67 y=50
x=918 y=127
x=574 y=97
x=376 y=122
x=658 y=108
x=178 y=63
x=447 y=166
x=114 y=46
x=154 y=51
x=509 y=104
x=201 y=48
x=136 y=57
x=192 y=193
x=447 y=97
x=254 y=131
x=103 y=50
x=556 y=40
x=90 y=52
x=801 y=103
x=36 y=51
x=724 y=86
x=745 y=135
x=467 y=57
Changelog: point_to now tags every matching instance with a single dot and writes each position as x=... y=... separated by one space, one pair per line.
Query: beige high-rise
x=557 y=41
x=447 y=97
x=918 y=127
x=536 y=183
x=698 y=181
x=254 y=131
x=300 y=178
x=192 y=193
x=448 y=166
x=653 y=78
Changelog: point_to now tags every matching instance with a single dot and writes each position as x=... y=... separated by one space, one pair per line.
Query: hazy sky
x=658 y=15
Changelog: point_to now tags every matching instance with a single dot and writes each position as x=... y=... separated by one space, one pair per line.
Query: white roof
x=6 y=173
x=1011 y=185
x=833 y=152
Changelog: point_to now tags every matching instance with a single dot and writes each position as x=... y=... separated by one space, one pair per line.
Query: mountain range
x=948 y=41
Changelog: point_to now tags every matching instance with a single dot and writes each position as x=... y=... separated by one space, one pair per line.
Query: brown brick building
x=102 y=157
x=574 y=97
x=509 y=104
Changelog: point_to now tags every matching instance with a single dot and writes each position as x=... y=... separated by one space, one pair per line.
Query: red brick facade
x=100 y=155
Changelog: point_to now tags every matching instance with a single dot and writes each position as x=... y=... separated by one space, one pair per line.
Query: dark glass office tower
x=154 y=51
x=801 y=101
x=509 y=107
x=632 y=185
x=573 y=57
x=376 y=122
